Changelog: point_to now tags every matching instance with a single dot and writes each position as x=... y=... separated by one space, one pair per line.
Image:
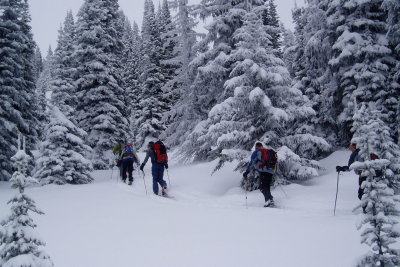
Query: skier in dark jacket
x=265 y=173
x=127 y=158
x=353 y=158
x=157 y=170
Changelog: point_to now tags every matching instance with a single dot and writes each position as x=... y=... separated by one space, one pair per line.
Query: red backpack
x=269 y=158
x=161 y=152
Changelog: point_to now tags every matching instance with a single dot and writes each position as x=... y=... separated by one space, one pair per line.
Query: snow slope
x=108 y=223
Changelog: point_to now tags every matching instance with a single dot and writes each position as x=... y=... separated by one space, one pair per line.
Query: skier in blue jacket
x=265 y=173
x=353 y=158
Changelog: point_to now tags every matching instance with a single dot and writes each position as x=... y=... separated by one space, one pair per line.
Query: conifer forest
x=210 y=96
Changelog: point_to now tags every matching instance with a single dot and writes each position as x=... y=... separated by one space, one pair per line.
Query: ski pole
x=281 y=187
x=246 y=197
x=337 y=189
x=145 y=188
x=112 y=171
x=169 y=181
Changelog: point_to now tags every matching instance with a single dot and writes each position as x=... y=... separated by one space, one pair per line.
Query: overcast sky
x=48 y=15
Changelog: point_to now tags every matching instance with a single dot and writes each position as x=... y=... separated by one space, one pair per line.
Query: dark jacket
x=353 y=158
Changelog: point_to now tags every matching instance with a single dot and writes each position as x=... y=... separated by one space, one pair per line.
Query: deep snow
x=108 y=223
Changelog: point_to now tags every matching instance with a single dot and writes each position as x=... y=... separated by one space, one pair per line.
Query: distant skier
x=353 y=158
x=264 y=161
x=127 y=158
x=159 y=160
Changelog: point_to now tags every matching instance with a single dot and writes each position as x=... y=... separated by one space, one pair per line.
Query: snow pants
x=265 y=184
x=127 y=166
x=157 y=170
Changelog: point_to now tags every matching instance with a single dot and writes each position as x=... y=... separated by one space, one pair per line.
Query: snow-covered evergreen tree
x=37 y=63
x=27 y=92
x=168 y=36
x=63 y=69
x=43 y=90
x=361 y=58
x=256 y=104
x=100 y=105
x=271 y=21
x=211 y=67
x=379 y=202
x=17 y=89
x=19 y=244
x=313 y=76
x=63 y=153
x=393 y=9
x=288 y=50
x=132 y=75
x=152 y=101
x=179 y=115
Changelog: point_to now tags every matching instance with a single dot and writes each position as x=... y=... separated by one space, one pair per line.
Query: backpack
x=128 y=149
x=127 y=152
x=269 y=158
x=161 y=152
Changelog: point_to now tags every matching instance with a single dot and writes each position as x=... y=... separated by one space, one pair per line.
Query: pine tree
x=134 y=68
x=28 y=104
x=256 y=104
x=63 y=69
x=17 y=91
x=168 y=36
x=271 y=20
x=178 y=117
x=377 y=226
x=19 y=244
x=210 y=68
x=63 y=153
x=43 y=89
x=289 y=50
x=100 y=107
x=129 y=60
x=37 y=63
x=313 y=76
x=152 y=101
x=393 y=9
x=361 y=58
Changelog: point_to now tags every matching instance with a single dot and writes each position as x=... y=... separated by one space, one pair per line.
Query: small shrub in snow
x=19 y=244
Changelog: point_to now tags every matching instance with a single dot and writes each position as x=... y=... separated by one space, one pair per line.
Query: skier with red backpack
x=157 y=152
x=264 y=161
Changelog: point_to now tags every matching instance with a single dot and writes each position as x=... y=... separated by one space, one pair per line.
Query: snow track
x=109 y=223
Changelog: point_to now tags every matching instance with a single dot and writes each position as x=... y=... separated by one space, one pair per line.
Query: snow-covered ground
x=108 y=223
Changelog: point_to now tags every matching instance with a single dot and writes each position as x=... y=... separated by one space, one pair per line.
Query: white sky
x=48 y=15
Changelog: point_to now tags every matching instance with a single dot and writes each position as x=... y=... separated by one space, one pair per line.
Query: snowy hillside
x=108 y=223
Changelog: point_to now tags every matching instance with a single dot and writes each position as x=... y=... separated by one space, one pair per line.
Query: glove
x=245 y=174
x=166 y=166
x=342 y=168
x=141 y=167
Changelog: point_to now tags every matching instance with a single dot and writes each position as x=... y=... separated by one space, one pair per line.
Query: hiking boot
x=130 y=183
x=124 y=181
x=164 y=191
x=269 y=203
